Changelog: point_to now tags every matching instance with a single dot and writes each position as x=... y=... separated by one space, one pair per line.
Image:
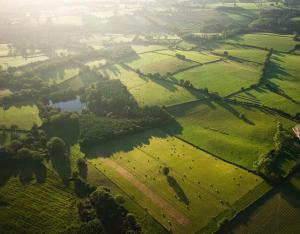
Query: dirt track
x=166 y=207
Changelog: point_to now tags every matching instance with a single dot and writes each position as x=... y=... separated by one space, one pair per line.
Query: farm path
x=179 y=217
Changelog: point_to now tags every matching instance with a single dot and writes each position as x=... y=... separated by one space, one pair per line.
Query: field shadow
x=177 y=189
x=125 y=144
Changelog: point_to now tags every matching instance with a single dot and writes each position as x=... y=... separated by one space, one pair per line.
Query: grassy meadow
x=235 y=133
x=224 y=77
x=180 y=200
x=154 y=62
x=278 y=42
x=18 y=61
x=22 y=116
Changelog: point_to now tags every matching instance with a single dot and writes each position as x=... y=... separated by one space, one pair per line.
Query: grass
x=218 y=128
x=96 y=63
x=153 y=62
x=4 y=49
x=222 y=77
x=277 y=213
x=194 y=194
x=147 y=48
x=283 y=75
x=245 y=5
x=242 y=53
x=278 y=42
x=142 y=88
x=97 y=178
x=195 y=56
x=37 y=208
x=18 y=61
x=264 y=96
x=61 y=75
x=186 y=45
x=24 y=116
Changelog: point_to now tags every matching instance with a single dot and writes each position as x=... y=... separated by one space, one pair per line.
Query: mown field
x=23 y=116
x=142 y=88
x=236 y=133
x=196 y=190
x=37 y=208
x=154 y=62
x=283 y=75
x=278 y=42
x=224 y=77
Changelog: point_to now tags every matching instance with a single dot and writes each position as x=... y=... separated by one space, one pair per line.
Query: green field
x=246 y=5
x=37 y=208
x=153 y=62
x=199 y=57
x=279 y=213
x=147 y=48
x=61 y=75
x=242 y=53
x=222 y=77
x=263 y=96
x=190 y=197
x=142 y=88
x=96 y=63
x=219 y=129
x=4 y=49
x=278 y=42
x=24 y=117
x=18 y=61
x=283 y=74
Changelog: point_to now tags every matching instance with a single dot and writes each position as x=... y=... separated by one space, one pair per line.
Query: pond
x=74 y=105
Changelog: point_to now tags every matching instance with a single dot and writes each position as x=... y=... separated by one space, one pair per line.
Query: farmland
x=239 y=140
x=149 y=117
x=136 y=164
x=23 y=116
x=222 y=77
x=153 y=62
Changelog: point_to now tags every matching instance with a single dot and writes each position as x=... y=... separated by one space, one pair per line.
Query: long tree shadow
x=177 y=189
x=62 y=167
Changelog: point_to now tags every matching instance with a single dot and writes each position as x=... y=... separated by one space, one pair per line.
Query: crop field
x=268 y=98
x=242 y=53
x=199 y=57
x=142 y=88
x=282 y=43
x=222 y=77
x=24 y=116
x=37 y=208
x=283 y=75
x=18 y=61
x=279 y=213
x=153 y=62
x=181 y=199
x=235 y=133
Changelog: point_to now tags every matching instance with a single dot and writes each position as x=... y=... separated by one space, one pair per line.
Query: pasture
x=198 y=57
x=188 y=198
x=265 y=97
x=235 y=133
x=283 y=75
x=22 y=116
x=278 y=42
x=242 y=53
x=142 y=88
x=153 y=62
x=18 y=61
x=139 y=49
x=47 y=207
x=224 y=77
x=60 y=75
x=278 y=213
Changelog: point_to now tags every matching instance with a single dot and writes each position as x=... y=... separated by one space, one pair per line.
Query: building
x=296 y=130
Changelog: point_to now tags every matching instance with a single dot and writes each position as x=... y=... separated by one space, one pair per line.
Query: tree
x=56 y=147
x=166 y=171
